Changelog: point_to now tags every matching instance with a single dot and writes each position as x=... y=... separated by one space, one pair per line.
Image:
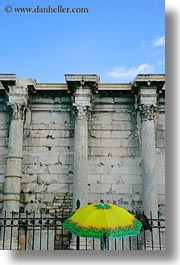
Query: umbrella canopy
x=96 y=220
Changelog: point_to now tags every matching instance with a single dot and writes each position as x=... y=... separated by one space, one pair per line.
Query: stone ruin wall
x=114 y=151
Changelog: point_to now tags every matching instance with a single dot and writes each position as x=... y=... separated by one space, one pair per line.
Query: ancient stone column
x=147 y=100
x=17 y=102
x=81 y=87
x=146 y=89
x=80 y=155
x=150 y=202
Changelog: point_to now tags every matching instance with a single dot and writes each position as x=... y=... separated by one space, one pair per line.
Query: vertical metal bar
x=115 y=244
x=93 y=243
x=62 y=230
x=137 y=242
x=130 y=243
x=69 y=233
x=33 y=228
x=86 y=244
x=144 y=237
x=77 y=242
x=159 y=230
x=40 y=232
x=107 y=243
x=26 y=229
x=4 y=230
x=11 y=229
x=18 y=227
x=55 y=230
x=122 y=243
x=78 y=203
x=47 y=233
x=152 y=230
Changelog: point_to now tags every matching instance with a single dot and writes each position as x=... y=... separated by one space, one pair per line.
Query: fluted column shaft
x=80 y=156
x=17 y=103
x=150 y=202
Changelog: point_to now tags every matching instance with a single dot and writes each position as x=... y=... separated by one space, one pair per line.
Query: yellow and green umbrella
x=97 y=220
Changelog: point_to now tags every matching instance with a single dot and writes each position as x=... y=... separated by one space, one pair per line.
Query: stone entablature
x=81 y=139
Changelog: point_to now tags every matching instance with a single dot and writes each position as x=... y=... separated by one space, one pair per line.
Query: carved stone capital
x=147 y=112
x=81 y=111
x=18 y=110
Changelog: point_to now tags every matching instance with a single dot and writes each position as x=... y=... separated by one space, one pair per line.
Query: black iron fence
x=38 y=231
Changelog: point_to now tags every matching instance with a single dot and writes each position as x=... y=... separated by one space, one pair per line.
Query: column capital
x=18 y=110
x=18 y=101
x=148 y=112
x=81 y=111
x=17 y=91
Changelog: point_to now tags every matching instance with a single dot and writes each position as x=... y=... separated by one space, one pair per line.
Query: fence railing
x=38 y=231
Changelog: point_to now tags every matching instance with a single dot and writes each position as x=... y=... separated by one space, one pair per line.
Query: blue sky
x=116 y=39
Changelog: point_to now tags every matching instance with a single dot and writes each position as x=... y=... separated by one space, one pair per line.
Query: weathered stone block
x=35 y=188
x=45 y=197
x=30 y=159
x=2 y=169
x=128 y=161
x=48 y=150
x=121 y=134
x=99 y=151
x=3 y=133
x=103 y=179
x=100 y=188
x=131 y=170
x=35 y=169
x=122 y=188
x=132 y=142
x=57 y=169
x=161 y=189
x=57 y=188
x=1 y=187
x=160 y=143
x=2 y=178
x=47 y=117
x=125 y=99
x=132 y=179
x=3 y=142
x=3 y=150
x=125 y=125
x=120 y=151
x=45 y=133
x=29 y=178
x=160 y=160
x=51 y=126
x=94 y=169
x=41 y=117
x=4 y=118
x=48 y=160
x=160 y=179
x=99 y=119
x=122 y=116
x=134 y=152
x=100 y=134
x=160 y=134
x=55 y=178
x=2 y=159
x=137 y=189
x=161 y=199
x=66 y=159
